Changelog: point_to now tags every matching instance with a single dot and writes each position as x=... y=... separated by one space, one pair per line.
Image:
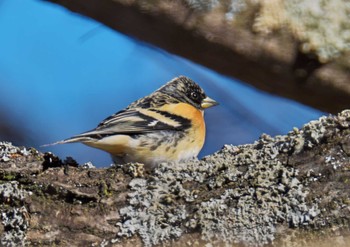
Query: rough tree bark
x=291 y=190
x=270 y=63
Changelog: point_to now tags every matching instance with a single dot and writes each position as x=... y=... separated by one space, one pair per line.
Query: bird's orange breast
x=197 y=130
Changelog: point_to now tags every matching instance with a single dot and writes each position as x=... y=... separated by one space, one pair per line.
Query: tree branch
x=273 y=64
x=283 y=191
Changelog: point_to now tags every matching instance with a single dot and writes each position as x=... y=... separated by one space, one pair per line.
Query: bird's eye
x=194 y=95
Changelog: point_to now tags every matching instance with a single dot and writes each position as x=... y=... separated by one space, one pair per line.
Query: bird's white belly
x=152 y=149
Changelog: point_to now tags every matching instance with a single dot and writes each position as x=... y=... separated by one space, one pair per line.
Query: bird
x=166 y=126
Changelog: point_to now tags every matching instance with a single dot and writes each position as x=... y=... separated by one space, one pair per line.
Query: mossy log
x=291 y=190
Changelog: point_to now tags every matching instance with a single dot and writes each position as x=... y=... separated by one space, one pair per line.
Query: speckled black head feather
x=185 y=90
x=180 y=89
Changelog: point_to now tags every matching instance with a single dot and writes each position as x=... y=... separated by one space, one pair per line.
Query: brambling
x=165 y=126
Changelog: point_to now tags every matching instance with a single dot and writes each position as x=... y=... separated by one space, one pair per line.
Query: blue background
x=62 y=73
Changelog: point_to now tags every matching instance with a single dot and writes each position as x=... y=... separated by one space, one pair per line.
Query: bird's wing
x=133 y=121
x=139 y=120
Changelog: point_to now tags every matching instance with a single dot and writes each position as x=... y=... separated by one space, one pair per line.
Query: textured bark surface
x=291 y=190
x=271 y=63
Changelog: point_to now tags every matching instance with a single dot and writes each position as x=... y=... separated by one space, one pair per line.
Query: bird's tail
x=78 y=138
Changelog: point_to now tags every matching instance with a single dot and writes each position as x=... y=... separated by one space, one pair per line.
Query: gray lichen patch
x=150 y=214
x=237 y=195
x=16 y=222
x=9 y=152
x=14 y=216
x=10 y=191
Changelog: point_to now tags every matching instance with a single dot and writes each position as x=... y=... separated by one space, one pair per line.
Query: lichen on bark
x=272 y=191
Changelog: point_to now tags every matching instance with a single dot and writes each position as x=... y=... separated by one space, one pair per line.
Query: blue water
x=62 y=73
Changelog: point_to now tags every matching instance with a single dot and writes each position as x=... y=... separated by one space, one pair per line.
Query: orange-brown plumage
x=195 y=115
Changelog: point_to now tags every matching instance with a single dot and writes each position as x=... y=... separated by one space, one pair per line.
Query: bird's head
x=186 y=90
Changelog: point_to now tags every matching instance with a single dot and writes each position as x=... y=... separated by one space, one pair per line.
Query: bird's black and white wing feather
x=132 y=122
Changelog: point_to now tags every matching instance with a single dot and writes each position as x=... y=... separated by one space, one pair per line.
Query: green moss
x=37 y=189
x=5 y=177
x=104 y=190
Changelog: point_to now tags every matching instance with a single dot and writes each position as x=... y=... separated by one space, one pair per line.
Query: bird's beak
x=208 y=102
